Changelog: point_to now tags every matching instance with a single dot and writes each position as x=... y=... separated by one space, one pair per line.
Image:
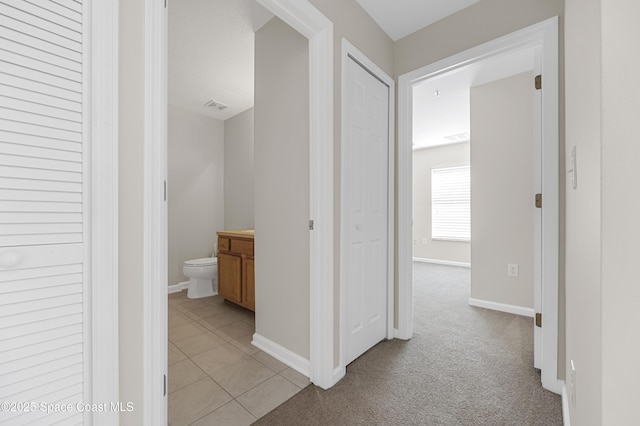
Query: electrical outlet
x=572 y=383
x=512 y=269
x=424 y=240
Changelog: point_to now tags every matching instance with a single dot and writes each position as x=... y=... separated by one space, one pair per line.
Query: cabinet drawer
x=242 y=246
x=223 y=244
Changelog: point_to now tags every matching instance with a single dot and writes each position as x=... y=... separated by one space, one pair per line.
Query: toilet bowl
x=203 y=276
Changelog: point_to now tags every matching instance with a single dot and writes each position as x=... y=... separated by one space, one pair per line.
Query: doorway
x=306 y=19
x=542 y=36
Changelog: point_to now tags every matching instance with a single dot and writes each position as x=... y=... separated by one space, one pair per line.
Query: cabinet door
x=248 y=284
x=229 y=273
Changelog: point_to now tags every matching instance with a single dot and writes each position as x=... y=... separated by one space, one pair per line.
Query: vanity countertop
x=244 y=233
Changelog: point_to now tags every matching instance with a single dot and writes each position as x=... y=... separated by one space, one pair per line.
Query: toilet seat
x=205 y=261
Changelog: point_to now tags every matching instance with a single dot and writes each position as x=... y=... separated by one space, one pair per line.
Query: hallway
x=464 y=365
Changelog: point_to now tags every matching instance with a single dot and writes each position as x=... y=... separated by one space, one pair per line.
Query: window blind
x=451 y=203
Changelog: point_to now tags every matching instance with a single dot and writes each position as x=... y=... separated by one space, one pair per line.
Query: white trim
x=104 y=207
x=442 y=262
x=155 y=257
x=349 y=49
x=502 y=307
x=545 y=36
x=177 y=288
x=305 y=18
x=566 y=414
x=282 y=354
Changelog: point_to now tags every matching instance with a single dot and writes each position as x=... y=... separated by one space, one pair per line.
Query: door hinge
x=311 y=225
x=538 y=82
x=538 y=201
x=165 y=4
x=538 y=320
x=165 y=190
x=165 y=385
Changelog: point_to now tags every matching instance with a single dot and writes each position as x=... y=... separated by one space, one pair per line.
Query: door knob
x=358 y=227
x=10 y=259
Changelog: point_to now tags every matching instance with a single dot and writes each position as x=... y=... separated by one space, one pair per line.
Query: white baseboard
x=177 y=288
x=566 y=418
x=282 y=354
x=495 y=306
x=442 y=262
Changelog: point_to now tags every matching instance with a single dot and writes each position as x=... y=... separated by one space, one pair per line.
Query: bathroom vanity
x=236 y=276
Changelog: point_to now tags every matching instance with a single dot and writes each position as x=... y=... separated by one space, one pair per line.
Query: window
x=451 y=203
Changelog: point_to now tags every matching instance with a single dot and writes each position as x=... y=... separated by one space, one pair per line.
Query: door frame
x=101 y=128
x=349 y=50
x=312 y=24
x=545 y=36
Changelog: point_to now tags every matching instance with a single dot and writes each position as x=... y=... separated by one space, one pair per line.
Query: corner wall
x=195 y=193
x=502 y=209
x=238 y=171
x=423 y=161
x=282 y=186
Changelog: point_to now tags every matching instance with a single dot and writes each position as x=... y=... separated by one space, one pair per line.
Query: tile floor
x=216 y=376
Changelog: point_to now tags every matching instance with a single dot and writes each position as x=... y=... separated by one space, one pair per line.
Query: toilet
x=203 y=276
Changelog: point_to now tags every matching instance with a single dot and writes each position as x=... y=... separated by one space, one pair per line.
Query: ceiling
x=211 y=58
x=441 y=105
x=399 y=18
x=211 y=45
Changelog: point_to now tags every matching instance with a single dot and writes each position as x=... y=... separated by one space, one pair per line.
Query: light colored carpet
x=464 y=366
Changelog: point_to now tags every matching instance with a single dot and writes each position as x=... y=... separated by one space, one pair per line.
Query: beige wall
x=238 y=171
x=195 y=187
x=583 y=222
x=130 y=199
x=602 y=228
x=620 y=213
x=502 y=182
x=282 y=186
x=423 y=161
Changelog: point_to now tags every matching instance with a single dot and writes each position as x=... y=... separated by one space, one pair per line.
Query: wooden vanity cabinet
x=236 y=276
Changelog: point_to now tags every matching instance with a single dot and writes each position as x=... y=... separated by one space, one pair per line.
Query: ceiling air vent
x=460 y=137
x=215 y=104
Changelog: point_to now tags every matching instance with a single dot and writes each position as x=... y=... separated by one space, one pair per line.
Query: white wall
x=195 y=180
x=282 y=186
x=502 y=196
x=423 y=161
x=238 y=171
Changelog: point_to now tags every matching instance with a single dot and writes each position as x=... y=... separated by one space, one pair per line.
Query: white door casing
x=544 y=36
x=366 y=226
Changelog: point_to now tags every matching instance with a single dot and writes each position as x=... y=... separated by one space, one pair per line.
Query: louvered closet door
x=42 y=288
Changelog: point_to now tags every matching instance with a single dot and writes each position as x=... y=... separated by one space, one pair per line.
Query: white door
x=43 y=332
x=366 y=185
